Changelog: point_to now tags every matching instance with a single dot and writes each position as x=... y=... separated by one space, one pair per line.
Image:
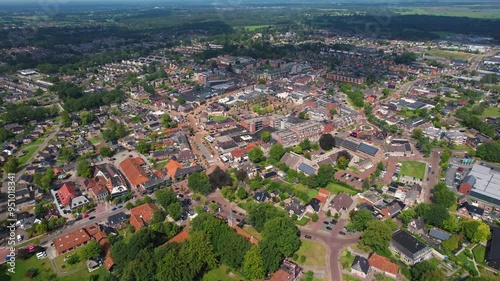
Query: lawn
x=413 y=169
x=160 y=164
x=255 y=27
x=312 y=193
x=45 y=271
x=486 y=273
x=454 y=55
x=217 y=118
x=219 y=274
x=348 y=277
x=29 y=151
x=336 y=189
x=253 y=232
x=314 y=252
x=95 y=140
x=491 y=112
x=479 y=253
x=302 y=221
x=346 y=259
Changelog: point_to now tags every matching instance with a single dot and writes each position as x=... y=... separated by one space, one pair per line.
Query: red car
x=86 y=216
x=30 y=248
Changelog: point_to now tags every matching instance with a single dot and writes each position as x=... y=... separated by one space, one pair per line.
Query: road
x=3 y=214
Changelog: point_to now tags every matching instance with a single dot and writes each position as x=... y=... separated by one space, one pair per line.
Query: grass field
x=346 y=260
x=95 y=140
x=219 y=274
x=450 y=12
x=454 y=55
x=46 y=272
x=336 y=189
x=413 y=169
x=217 y=118
x=312 y=193
x=479 y=253
x=29 y=151
x=491 y=112
x=302 y=221
x=255 y=27
x=253 y=232
x=348 y=277
x=314 y=252
x=488 y=274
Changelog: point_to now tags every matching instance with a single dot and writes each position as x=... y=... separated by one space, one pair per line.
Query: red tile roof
x=383 y=264
x=240 y=151
x=172 y=166
x=71 y=240
x=181 y=236
x=135 y=174
x=66 y=193
x=281 y=275
x=142 y=214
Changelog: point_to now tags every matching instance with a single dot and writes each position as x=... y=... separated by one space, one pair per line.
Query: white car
x=41 y=255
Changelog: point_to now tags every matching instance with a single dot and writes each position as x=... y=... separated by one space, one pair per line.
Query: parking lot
x=456 y=164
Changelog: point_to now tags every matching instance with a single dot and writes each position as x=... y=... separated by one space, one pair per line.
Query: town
x=257 y=152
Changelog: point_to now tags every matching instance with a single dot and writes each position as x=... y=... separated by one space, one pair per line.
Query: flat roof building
x=482 y=182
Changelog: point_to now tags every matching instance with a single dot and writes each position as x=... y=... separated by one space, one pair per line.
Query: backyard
x=491 y=112
x=336 y=189
x=29 y=152
x=314 y=252
x=479 y=253
x=413 y=169
x=220 y=274
x=252 y=232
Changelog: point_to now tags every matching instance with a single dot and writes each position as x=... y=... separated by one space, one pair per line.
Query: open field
x=29 y=151
x=46 y=272
x=255 y=27
x=219 y=274
x=491 y=112
x=314 y=252
x=462 y=11
x=413 y=169
x=453 y=55
x=348 y=277
x=336 y=189
x=346 y=259
x=479 y=253
x=217 y=118
x=95 y=140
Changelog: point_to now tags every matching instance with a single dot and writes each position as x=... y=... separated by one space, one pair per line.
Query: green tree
x=450 y=244
x=199 y=182
x=476 y=231
x=489 y=151
x=342 y=163
x=406 y=216
x=65 y=118
x=174 y=210
x=433 y=214
x=259 y=214
x=305 y=144
x=84 y=169
x=276 y=152
x=265 y=136
x=326 y=141
x=253 y=266
x=165 y=197
x=325 y=175
x=256 y=155
x=377 y=236
x=297 y=149
x=451 y=224
x=12 y=165
x=90 y=250
x=426 y=271
x=105 y=151
x=280 y=238
x=314 y=217
x=417 y=133
x=143 y=147
x=443 y=195
x=361 y=219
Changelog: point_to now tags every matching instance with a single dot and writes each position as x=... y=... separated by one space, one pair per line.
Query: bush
x=302 y=259
x=314 y=217
x=73 y=259
x=31 y=273
x=295 y=256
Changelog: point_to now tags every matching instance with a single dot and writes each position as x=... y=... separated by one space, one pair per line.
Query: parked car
x=91 y=218
x=86 y=216
x=325 y=222
x=308 y=236
x=329 y=228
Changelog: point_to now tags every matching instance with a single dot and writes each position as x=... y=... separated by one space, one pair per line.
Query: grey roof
x=493 y=258
x=438 y=234
x=308 y=170
x=360 y=264
x=406 y=243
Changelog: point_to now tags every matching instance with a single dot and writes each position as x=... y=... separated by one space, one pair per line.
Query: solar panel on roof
x=370 y=150
x=306 y=169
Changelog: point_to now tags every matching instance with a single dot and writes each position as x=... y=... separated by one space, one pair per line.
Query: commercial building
x=482 y=182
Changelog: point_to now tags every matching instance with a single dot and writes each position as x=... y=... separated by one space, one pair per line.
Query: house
x=78 y=201
x=26 y=220
x=295 y=208
x=417 y=226
x=393 y=209
x=175 y=170
x=288 y=271
x=493 y=258
x=360 y=266
x=135 y=174
x=439 y=234
x=383 y=265
x=409 y=248
x=72 y=240
x=107 y=175
x=66 y=193
x=341 y=202
x=313 y=206
x=141 y=215
x=261 y=197
x=117 y=220
x=99 y=192
x=322 y=195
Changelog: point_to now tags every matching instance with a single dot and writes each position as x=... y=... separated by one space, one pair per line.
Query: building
x=409 y=248
x=439 y=234
x=345 y=77
x=493 y=258
x=383 y=265
x=341 y=202
x=360 y=266
x=141 y=215
x=107 y=175
x=135 y=174
x=66 y=193
x=482 y=182
x=75 y=238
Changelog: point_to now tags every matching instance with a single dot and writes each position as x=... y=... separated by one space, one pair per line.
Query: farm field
x=454 y=55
